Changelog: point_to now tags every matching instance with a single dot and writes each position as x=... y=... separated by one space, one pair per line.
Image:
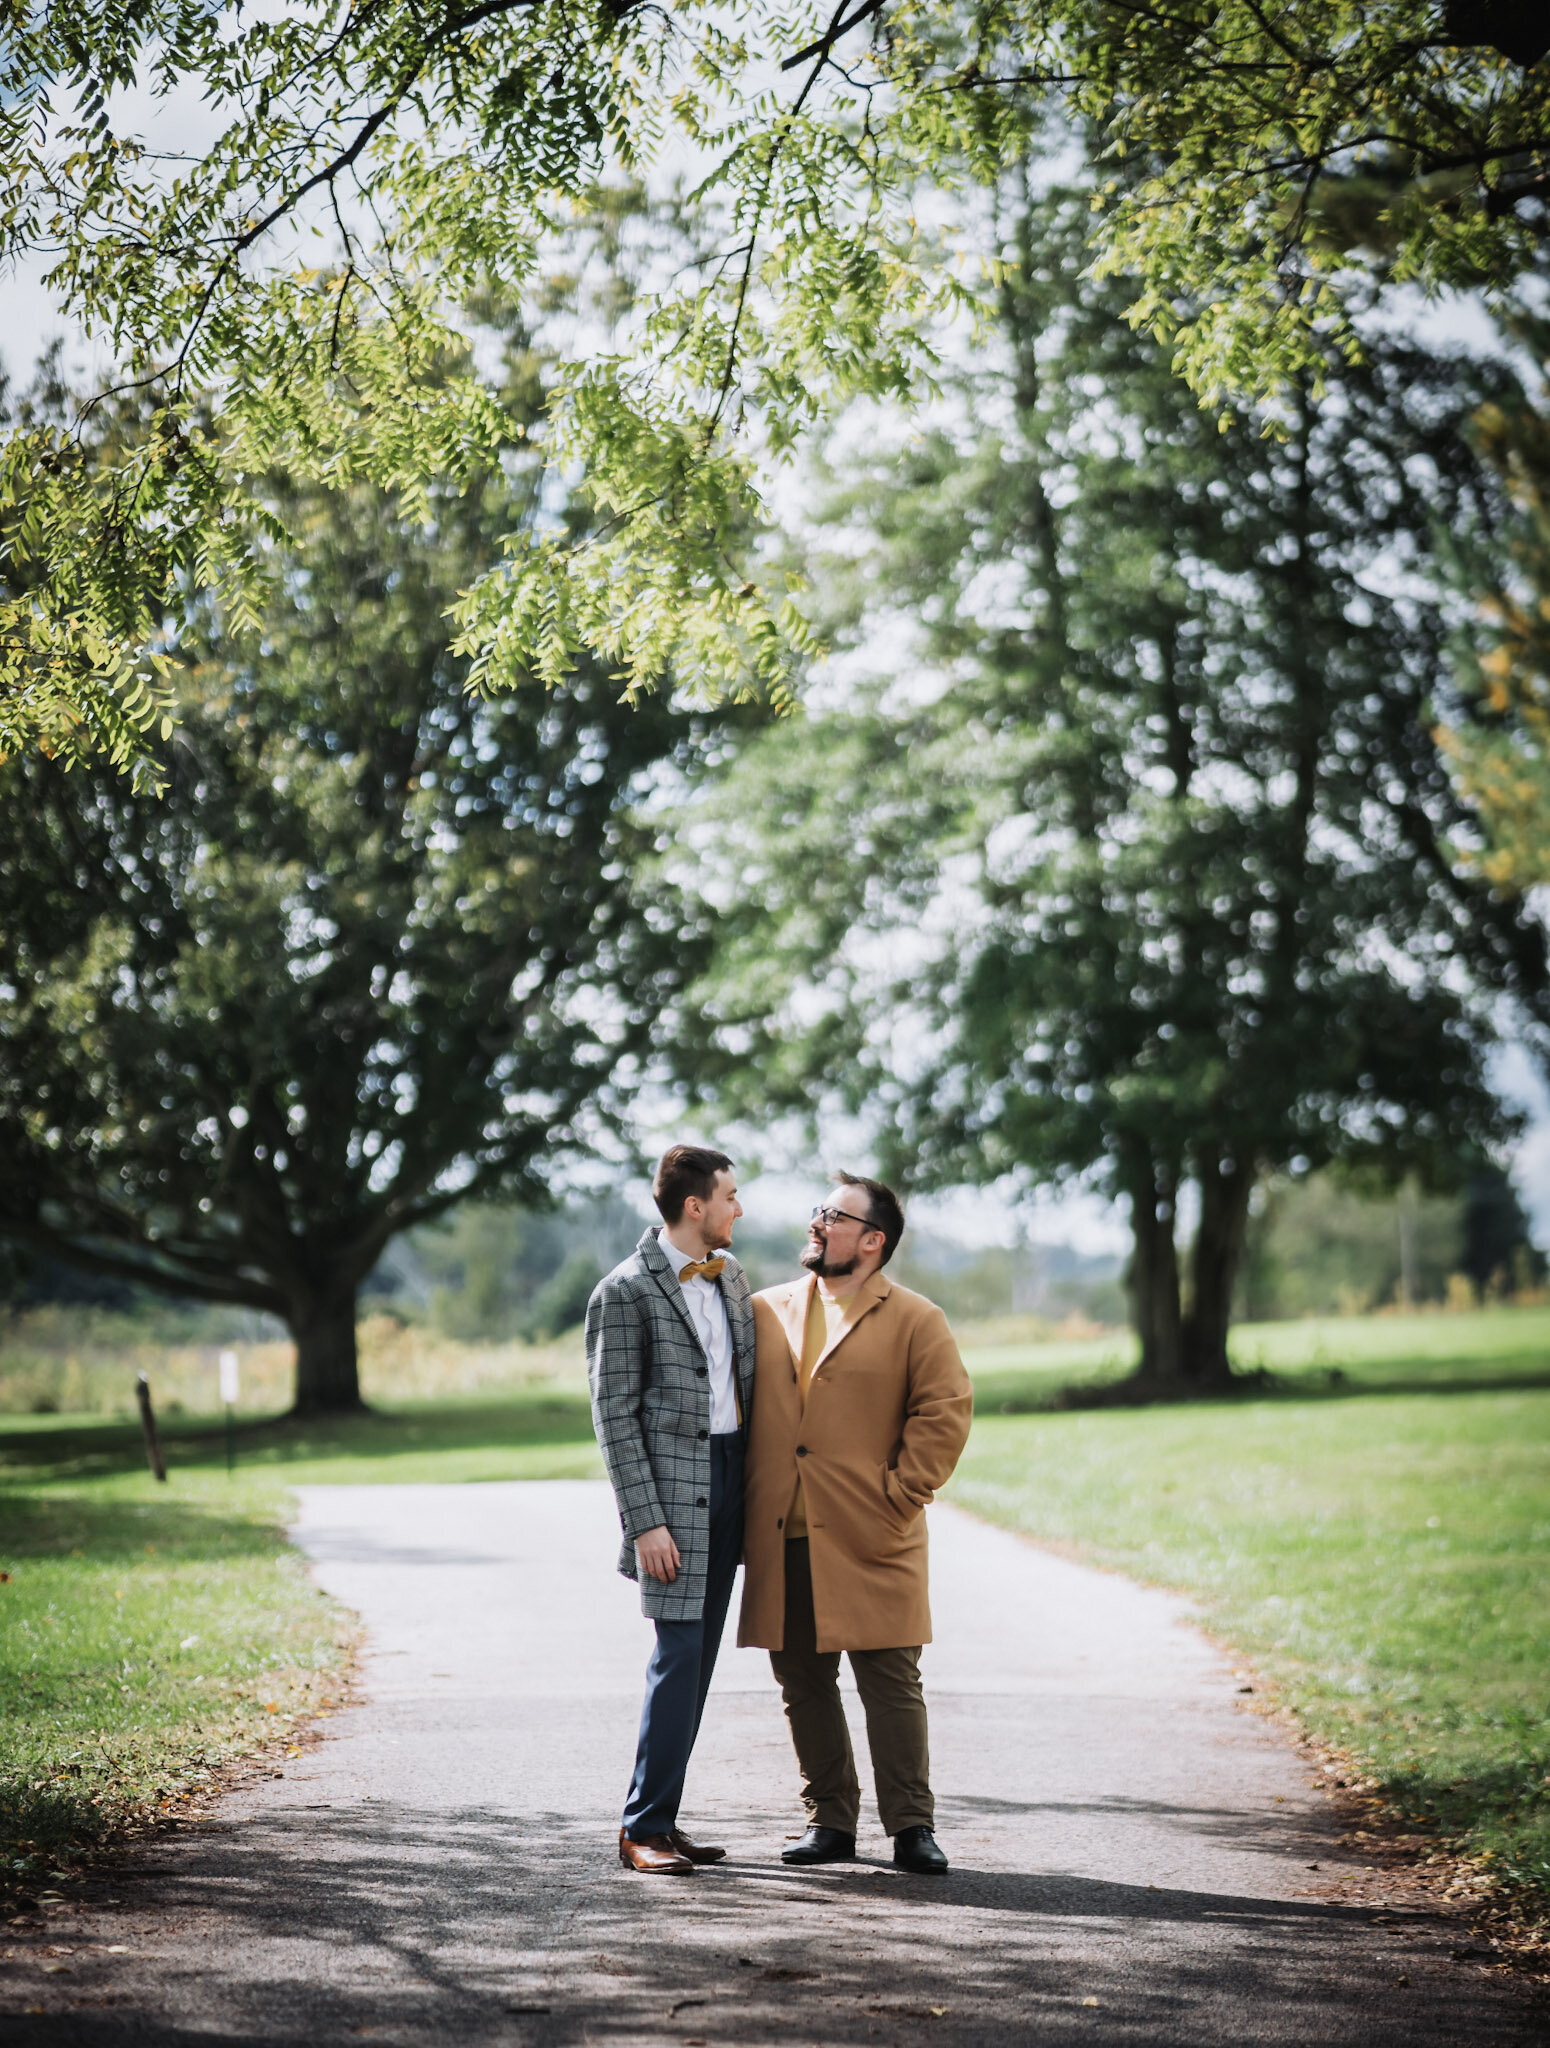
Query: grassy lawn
x=147 y=1637
x=1373 y=1531
x=1321 y=1354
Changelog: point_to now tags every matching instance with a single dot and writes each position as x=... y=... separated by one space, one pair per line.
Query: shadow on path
x=363 y=1922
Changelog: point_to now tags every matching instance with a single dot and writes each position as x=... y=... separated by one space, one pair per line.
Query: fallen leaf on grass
x=1092 y=2001
x=56 y=1969
x=118 y=1948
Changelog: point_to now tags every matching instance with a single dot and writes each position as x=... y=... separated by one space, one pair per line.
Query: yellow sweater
x=824 y=1318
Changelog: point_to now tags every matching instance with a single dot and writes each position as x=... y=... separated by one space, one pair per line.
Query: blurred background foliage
x=492 y=1296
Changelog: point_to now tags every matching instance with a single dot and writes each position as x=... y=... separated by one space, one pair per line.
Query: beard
x=814 y=1258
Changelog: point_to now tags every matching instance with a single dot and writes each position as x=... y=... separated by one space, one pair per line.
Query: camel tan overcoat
x=887 y=1416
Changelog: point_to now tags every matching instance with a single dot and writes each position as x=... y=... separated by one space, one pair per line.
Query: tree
x=1159 y=891
x=491 y=1271
x=368 y=170
x=1320 y=1246
x=367 y=167
x=381 y=946
x=1264 y=160
x=1496 y=1250
x=1499 y=740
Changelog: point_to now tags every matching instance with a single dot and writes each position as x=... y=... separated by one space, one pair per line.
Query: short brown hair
x=682 y=1171
x=884 y=1209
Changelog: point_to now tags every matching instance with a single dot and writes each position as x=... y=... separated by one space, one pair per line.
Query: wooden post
x=154 y=1458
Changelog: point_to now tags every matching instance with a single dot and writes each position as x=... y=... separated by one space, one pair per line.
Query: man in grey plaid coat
x=670 y=1357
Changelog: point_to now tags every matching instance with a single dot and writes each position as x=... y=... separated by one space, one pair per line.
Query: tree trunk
x=1153 y=1279
x=327 y=1378
x=1225 y=1187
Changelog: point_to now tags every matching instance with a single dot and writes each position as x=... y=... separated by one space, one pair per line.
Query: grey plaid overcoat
x=651 y=1409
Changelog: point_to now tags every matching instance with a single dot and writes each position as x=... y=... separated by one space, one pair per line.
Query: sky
x=30 y=317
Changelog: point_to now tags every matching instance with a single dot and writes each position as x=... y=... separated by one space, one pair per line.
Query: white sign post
x=230 y=1394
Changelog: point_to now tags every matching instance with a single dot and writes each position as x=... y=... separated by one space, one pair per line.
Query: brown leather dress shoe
x=657 y=1855
x=697 y=1852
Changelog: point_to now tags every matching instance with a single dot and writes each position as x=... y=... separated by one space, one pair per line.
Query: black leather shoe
x=826 y=1845
x=915 y=1849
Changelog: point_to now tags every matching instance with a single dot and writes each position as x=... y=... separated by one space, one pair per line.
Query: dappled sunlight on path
x=1130 y=1850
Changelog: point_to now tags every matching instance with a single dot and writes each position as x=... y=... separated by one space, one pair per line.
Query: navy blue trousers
x=678 y=1674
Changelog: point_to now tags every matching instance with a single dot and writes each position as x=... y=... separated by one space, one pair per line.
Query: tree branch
x=837 y=29
x=69 y=1251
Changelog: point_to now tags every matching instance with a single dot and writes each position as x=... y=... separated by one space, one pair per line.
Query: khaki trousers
x=889 y=1684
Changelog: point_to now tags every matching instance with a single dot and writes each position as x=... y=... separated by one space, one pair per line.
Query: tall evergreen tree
x=1168 y=864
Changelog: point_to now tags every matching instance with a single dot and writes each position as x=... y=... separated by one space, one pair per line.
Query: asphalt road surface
x=1136 y=1858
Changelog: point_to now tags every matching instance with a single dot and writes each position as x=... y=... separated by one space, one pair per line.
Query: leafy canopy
x=1159 y=890
x=1500 y=753
x=378 y=946
x=367 y=165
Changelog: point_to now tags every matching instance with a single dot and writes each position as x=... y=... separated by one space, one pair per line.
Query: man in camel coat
x=861 y=1408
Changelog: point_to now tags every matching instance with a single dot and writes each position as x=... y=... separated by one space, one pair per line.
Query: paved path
x=1132 y=1854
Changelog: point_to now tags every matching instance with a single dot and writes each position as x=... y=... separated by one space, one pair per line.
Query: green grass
x=1378 y=1543
x=1324 y=1354
x=147 y=1636
x=536 y=1433
x=1384 y=1559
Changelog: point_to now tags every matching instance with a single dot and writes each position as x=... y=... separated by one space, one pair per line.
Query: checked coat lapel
x=734 y=1293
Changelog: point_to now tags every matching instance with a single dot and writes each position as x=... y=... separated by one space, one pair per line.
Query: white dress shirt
x=708 y=1313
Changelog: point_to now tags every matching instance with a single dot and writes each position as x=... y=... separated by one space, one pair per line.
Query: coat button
x=701 y=1372
x=780 y=1521
x=801 y=1450
x=703 y=1434
x=702 y=1502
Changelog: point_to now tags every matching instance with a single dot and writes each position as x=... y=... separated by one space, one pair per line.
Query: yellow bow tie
x=703 y=1269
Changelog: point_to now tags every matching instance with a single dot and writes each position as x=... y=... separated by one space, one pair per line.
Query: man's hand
x=656 y=1554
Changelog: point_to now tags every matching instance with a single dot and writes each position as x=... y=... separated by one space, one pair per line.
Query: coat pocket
x=903 y=1510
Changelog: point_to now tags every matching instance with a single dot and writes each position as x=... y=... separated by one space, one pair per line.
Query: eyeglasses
x=829 y=1217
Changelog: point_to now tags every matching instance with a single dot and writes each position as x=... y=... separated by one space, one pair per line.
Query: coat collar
x=875 y=1288
x=655 y=1261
